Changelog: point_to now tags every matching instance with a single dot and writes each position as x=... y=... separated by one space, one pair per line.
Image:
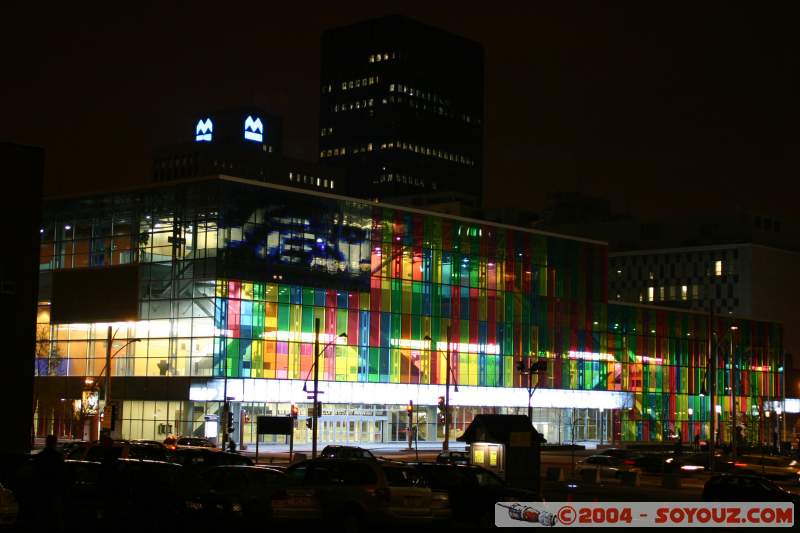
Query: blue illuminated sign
x=203 y=130
x=253 y=129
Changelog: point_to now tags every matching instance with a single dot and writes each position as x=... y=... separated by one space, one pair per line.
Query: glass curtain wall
x=234 y=276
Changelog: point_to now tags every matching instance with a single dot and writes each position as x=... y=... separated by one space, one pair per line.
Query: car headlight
x=236 y=507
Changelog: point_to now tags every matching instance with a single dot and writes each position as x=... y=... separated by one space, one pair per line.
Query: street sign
x=274 y=425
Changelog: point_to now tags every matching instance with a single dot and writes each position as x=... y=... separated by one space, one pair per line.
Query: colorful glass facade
x=234 y=275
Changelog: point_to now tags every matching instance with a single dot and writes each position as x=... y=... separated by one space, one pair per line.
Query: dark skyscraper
x=401 y=108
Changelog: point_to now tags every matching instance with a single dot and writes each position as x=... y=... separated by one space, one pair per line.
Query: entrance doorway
x=344 y=429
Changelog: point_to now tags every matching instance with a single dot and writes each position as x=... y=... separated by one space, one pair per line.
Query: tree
x=47 y=349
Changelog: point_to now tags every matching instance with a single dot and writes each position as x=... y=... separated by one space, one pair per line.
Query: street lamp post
x=446 y=442
x=315 y=412
x=734 y=443
x=533 y=366
x=602 y=424
x=448 y=370
x=107 y=367
x=690 y=412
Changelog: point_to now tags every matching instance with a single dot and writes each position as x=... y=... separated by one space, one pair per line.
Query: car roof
x=128 y=460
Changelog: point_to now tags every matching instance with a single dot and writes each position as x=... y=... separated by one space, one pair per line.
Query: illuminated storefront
x=233 y=274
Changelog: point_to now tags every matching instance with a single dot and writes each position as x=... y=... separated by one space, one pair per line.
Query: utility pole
x=107 y=391
x=315 y=414
x=733 y=392
x=107 y=385
x=711 y=373
x=446 y=443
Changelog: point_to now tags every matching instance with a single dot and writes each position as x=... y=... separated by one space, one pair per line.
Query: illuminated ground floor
x=376 y=413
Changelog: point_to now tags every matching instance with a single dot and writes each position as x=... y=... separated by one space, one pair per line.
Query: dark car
x=234 y=494
x=618 y=453
x=195 y=441
x=473 y=491
x=128 y=494
x=9 y=507
x=120 y=449
x=745 y=488
x=354 y=493
x=345 y=452
x=768 y=466
x=653 y=463
x=200 y=459
x=173 y=443
x=453 y=458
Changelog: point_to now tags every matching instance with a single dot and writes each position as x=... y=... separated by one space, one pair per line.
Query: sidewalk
x=376 y=448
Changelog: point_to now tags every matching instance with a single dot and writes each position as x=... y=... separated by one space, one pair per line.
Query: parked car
x=609 y=467
x=118 y=449
x=745 y=488
x=453 y=457
x=472 y=491
x=354 y=493
x=652 y=463
x=172 y=442
x=66 y=446
x=346 y=452
x=9 y=507
x=123 y=494
x=768 y=466
x=198 y=460
x=234 y=494
x=620 y=453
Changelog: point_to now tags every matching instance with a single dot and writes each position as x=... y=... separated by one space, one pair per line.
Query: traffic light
x=294 y=411
x=229 y=421
x=309 y=423
x=410 y=408
x=441 y=410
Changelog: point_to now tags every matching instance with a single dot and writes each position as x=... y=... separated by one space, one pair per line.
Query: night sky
x=661 y=111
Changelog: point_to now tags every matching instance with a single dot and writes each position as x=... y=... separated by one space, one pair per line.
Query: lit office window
x=650 y=293
x=331 y=184
x=661 y=293
x=372 y=58
x=672 y=292
x=684 y=292
x=717 y=268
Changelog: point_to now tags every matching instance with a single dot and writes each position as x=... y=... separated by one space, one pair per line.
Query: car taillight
x=740 y=464
x=629 y=462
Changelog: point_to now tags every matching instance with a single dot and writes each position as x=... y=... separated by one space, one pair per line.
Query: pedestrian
x=49 y=475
